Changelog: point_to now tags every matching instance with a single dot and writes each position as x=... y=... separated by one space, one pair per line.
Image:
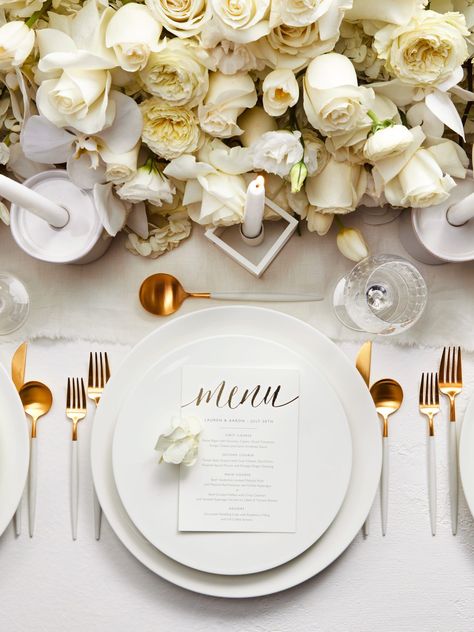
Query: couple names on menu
x=245 y=477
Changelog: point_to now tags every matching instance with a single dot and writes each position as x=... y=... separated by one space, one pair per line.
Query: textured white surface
x=408 y=580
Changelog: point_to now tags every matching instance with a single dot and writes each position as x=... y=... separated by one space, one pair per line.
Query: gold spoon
x=37 y=401
x=388 y=397
x=162 y=294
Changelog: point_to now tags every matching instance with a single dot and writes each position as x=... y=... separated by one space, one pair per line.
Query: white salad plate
x=14 y=449
x=309 y=344
x=150 y=491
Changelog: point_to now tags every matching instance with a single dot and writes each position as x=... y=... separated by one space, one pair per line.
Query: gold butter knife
x=363 y=362
x=18 y=376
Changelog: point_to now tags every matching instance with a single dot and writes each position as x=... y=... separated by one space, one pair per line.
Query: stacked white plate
x=339 y=453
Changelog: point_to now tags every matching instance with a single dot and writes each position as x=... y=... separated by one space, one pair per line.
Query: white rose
x=16 y=43
x=243 y=21
x=276 y=152
x=398 y=12
x=280 y=91
x=315 y=152
x=176 y=74
x=233 y=160
x=147 y=184
x=181 y=442
x=169 y=131
x=421 y=183
x=133 y=33
x=427 y=50
x=255 y=122
x=390 y=141
x=226 y=56
x=227 y=97
x=338 y=188
x=216 y=199
x=183 y=18
x=304 y=12
x=333 y=102
x=120 y=167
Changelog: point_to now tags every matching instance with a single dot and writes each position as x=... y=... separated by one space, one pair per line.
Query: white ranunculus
x=228 y=96
x=315 y=152
x=398 y=12
x=426 y=50
x=16 y=43
x=184 y=18
x=148 y=184
x=276 y=152
x=280 y=91
x=241 y=21
x=133 y=33
x=338 y=188
x=389 y=141
x=303 y=12
x=176 y=73
x=421 y=183
x=180 y=443
x=351 y=244
x=255 y=122
x=168 y=130
x=333 y=102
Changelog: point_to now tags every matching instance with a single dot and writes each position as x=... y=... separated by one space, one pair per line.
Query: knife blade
x=363 y=362
x=18 y=365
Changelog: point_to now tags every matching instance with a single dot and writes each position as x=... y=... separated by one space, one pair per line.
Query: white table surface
x=406 y=581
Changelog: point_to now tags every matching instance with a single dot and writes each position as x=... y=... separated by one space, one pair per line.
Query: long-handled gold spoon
x=388 y=396
x=37 y=401
x=162 y=294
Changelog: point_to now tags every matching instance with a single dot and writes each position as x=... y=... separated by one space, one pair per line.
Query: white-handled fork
x=429 y=406
x=76 y=410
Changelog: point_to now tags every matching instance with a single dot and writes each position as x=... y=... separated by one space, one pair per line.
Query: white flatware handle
x=453 y=476
x=384 y=483
x=17 y=516
x=97 y=516
x=264 y=297
x=74 y=488
x=32 y=477
x=432 y=482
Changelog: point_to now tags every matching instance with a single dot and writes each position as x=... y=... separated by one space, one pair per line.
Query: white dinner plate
x=466 y=455
x=349 y=386
x=14 y=449
x=149 y=491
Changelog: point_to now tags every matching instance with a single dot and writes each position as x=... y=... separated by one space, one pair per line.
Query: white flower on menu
x=277 y=152
x=16 y=43
x=176 y=74
x=148 y=184
x=425 y=51
x=390 y=141
x=241 y=21
x=180 y=444
x=228 y=96
x=333 y=102
x=421 y=183
x=133 y=34
x=280 y=91
x=184 y=18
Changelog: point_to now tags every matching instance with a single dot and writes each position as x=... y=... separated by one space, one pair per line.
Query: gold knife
x=18 y=377
x=363 y=362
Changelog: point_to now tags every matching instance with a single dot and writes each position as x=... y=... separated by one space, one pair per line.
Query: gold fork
x=429 y=406
x=450 y=384
x=99 y=374
x=76 y=410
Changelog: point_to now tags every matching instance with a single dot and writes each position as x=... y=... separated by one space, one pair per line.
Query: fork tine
x=83 y=393
x=459 y=367
x=436 y=389
x=68 y=396
x=421 y=397
x=430 y=389
x=102 y=370
x=442 y=366
x=107 y=368
x=90 y=378
x=452 y=363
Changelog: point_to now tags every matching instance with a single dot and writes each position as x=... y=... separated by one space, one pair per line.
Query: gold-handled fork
x=99 y=374
x=76 y=410
x=429 y=406
x=450 y=384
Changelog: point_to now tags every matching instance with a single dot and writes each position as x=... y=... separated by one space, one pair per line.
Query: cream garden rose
x=176 y=74
x=184 y=18
x=16 y=43
x=426 y=50
x=168 y=130
x=280 y=91
x=241 y=21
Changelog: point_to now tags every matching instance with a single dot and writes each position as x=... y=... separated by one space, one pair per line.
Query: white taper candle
x=51 y=212
x=254 y=208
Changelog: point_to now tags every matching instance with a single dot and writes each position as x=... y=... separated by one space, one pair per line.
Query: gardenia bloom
x=16 y=43
x=181 y=442
x=133 y=33
x=176 y=74
x=168 y=130
x=243 y=21
x=183 y=18
x=280 y=91
x=147 y=184
x=427 y=50
x=276 y=152
x=351 y=244
x=228 y=96
x=390 y=141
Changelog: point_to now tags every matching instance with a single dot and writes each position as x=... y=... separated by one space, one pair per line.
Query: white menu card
x=245 y=476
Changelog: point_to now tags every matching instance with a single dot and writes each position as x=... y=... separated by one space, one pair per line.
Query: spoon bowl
x=162 y=294
x=388 y=397
x=37 y=400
